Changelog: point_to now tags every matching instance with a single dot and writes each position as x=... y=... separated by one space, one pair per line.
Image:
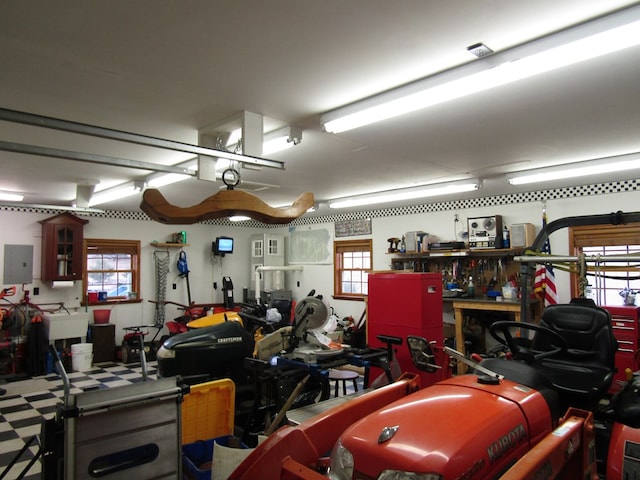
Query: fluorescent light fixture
x=274 y=141
x=600 y=166
x=281 y=139
x=166 y=179
x=574 y=45
x=56 y=207
x=238 y=218
x=411 y=193
x=11 y=197
x=114 y=193
x=158 y=180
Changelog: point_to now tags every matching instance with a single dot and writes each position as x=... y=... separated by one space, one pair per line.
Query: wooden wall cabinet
x=62 y=237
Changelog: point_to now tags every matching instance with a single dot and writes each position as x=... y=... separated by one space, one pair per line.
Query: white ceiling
x=169 y=69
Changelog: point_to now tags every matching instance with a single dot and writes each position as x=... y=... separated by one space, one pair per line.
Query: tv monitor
x=222 y=246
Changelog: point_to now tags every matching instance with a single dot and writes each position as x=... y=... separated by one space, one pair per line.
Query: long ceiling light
x=578 y=44
x=281 y=139
x=600 y=166
x=272 y=142
x=157 y=180
x=11 y=197
x=115 y=193
x=411 y=193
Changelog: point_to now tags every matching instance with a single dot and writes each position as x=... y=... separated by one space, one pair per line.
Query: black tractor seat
x=583 y=374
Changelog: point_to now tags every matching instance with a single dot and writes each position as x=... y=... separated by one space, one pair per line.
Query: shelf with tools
x=490 y=268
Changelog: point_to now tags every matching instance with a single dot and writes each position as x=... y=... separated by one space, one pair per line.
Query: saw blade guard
x=311 y=313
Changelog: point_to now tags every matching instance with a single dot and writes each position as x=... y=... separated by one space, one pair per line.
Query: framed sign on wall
x=350 y=228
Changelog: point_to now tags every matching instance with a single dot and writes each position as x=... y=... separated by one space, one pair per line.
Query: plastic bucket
x=101 y=316
x=81 y=356
x=227 y=455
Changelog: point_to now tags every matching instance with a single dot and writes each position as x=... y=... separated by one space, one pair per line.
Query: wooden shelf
x=175 y=245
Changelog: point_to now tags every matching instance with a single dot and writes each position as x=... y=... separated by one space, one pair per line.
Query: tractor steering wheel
x=500 y=331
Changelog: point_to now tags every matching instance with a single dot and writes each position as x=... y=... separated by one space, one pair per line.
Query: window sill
x=359 y=298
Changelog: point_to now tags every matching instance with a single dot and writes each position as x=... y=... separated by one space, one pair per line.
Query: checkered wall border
x=537 y=196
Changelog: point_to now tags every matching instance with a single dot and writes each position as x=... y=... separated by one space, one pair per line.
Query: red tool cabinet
x=624 y=320
x=401 y=304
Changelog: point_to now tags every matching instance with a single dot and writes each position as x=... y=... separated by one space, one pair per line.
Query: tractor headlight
x=164 y=353
x=398 y=475
x=341 y=466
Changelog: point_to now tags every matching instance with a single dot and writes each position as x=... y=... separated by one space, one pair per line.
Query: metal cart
x=133 y=431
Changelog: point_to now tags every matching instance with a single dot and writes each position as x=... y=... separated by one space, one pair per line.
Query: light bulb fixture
x=600 y=166
x=577 y=44
x=239 y=218
x=11 y=197
x=411 y=193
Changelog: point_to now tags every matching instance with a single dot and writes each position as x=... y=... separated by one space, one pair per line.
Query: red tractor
x=542 y=410
x=505 y=419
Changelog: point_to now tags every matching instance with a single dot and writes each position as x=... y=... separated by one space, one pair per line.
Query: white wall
x=22 y=228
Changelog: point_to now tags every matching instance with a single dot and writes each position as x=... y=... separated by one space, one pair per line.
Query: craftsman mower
x=229 y=349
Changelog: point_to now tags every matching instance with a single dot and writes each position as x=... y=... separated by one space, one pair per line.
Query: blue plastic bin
x=197 y=457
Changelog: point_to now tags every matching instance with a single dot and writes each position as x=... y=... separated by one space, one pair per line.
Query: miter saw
x=307 y=340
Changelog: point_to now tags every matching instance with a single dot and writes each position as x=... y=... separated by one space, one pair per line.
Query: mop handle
x=62 y=372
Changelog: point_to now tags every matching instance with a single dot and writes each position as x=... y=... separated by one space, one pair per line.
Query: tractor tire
x=126 y=353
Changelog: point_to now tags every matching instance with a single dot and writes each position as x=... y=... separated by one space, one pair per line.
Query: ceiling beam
x=121 y=136
x=91 y=158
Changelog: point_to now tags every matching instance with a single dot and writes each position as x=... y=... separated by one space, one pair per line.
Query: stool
x=342 y=376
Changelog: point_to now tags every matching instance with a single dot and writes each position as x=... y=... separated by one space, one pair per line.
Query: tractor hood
x=459 y=428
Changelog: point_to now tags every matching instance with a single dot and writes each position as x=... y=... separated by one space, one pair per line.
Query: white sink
x=64 y=325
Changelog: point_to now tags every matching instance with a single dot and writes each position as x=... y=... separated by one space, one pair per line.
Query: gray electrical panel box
x=18 y=264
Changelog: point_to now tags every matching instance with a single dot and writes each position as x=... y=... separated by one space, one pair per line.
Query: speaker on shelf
x=522 y=234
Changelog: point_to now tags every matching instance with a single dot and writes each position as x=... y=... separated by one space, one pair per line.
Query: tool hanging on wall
x=161 y=259
x=183 y=268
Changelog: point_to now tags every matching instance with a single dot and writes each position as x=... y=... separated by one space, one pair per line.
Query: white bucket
x=81 y=356
x=226 y=459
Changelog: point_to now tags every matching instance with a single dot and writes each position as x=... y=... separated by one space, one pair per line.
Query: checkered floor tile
x=27 y=402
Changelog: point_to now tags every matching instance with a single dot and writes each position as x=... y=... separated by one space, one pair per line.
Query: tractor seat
x=583 y=374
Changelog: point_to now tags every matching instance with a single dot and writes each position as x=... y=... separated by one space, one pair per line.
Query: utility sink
x=65 y=325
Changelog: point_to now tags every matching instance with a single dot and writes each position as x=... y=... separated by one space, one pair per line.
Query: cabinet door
x=62 y=248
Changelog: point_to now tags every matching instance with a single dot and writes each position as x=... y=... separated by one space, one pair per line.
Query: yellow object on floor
x=208 y=411
x=214 y=319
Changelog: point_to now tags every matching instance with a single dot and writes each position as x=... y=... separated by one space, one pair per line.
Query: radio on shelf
x=483 y=231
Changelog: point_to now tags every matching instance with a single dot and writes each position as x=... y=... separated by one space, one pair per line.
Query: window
x=352 y=264
x=607 y=279
x=112 y=266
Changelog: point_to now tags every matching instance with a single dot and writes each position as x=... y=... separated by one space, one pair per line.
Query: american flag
x=544 y=284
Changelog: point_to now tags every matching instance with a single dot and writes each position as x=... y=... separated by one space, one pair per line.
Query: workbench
x=460 y=305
